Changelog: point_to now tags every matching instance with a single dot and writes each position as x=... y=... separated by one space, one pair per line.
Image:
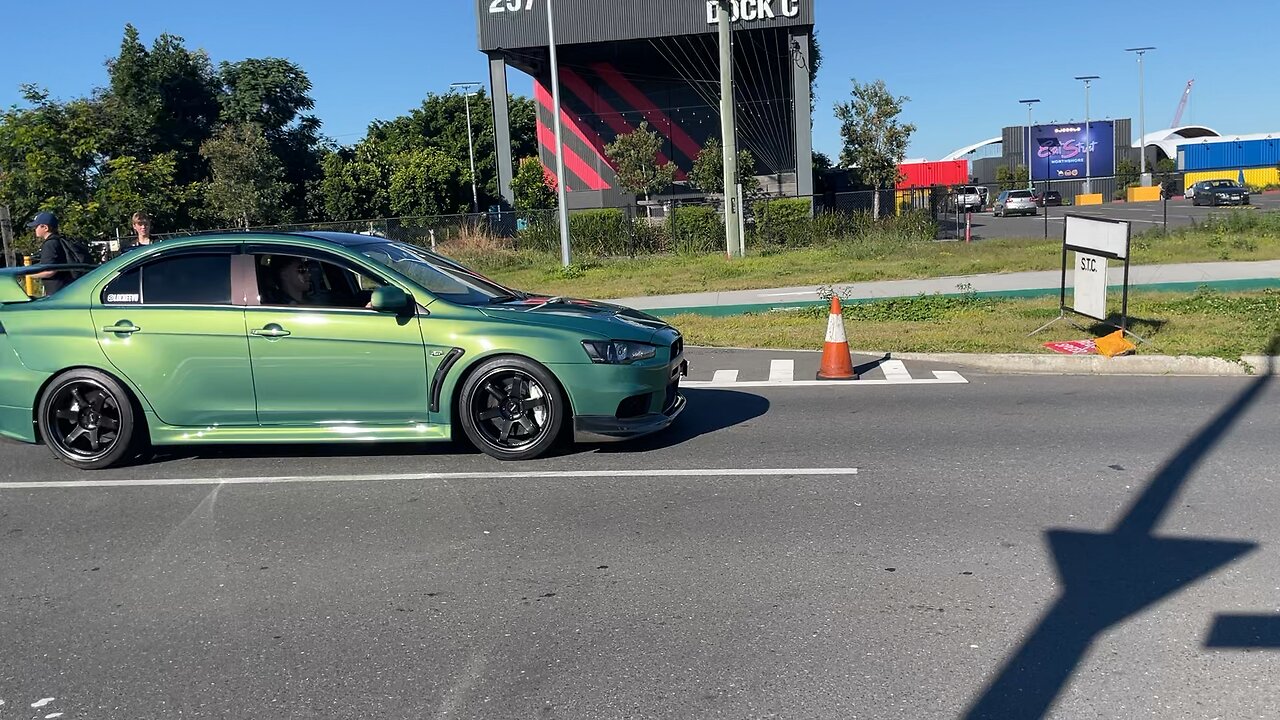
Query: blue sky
x=963 y=73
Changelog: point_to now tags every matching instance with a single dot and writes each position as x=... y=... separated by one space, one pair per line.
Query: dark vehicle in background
x=1219 y=192
x=1048 y=198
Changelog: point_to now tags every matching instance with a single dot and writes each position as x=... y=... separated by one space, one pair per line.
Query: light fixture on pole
x=1142 y=116
x=561 y=183
x=1027 y=146
x=1088 y=136
x=471 y=146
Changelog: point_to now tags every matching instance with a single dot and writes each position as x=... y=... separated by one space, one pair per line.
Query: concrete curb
x=1029 y=364
x=1180 y=365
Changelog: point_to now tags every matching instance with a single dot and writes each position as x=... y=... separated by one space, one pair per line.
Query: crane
x=1182 y=104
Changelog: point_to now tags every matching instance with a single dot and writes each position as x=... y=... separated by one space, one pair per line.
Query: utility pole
x=1142 y=117
x=1029 y=103
x=729 y=141
x=561 y=180
x=1088 y=136
x=471 y=145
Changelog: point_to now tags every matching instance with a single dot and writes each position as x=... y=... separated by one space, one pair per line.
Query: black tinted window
x=125 y=289
x=188 y=280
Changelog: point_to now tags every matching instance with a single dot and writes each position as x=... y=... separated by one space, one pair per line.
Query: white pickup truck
x=968 y=198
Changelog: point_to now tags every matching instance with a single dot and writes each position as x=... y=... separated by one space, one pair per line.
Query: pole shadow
x=1109 y=576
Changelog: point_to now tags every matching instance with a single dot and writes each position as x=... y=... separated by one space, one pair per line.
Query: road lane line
x=725 y=376
x=894 y=370
x=949 y=376
x=782 y=371
x=954 y=378
x=410 y=477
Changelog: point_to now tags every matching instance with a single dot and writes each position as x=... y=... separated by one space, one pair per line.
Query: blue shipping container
x=1214 y=154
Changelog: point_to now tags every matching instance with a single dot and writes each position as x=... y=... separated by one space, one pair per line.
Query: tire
x=511 y=408
x=88 y=421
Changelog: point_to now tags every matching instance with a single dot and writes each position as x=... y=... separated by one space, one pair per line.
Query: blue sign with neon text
x=1059 y=150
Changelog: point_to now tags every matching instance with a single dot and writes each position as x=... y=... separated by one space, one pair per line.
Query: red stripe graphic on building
x=601 y=108
x=658 y=119
x=573 y=162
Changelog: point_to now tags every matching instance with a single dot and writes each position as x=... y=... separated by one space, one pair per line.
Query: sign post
x=1092 y=243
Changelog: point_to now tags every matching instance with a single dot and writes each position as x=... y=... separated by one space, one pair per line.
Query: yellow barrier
x=28 y=282
x=1144 y=194
x=1256 y=177
x=1091 y=199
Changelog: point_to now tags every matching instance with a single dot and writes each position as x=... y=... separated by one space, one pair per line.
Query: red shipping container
x=928 y=174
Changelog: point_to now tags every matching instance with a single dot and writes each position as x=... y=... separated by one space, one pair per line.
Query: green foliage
x=708 y=169
x=634 y=156
x=874 y=140
x=428 y=182
x=1166 y=166
x=246 y=184
x=1012 y=178
x=533 y=187
x=919 y=309
x=1126 y=174
x=598 y=232
x=696 y=229
x=782 y=223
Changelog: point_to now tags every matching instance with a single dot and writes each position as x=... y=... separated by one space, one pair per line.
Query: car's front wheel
x=511 y=408
x=87 y=419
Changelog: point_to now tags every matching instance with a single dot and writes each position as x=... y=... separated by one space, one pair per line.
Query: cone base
x=837 y=378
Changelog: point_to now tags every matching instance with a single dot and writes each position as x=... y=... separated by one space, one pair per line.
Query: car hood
x=613 y=322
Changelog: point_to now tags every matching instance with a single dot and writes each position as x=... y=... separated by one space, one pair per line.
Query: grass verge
x=1239 y=235
x=1205 y=323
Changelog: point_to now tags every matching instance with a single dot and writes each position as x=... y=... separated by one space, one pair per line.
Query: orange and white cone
x=837 y=364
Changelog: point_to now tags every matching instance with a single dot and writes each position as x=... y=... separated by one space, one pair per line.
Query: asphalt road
x=1143 y=216
x=733 y=567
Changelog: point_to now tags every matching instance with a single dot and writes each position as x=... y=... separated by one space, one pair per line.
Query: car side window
x=296 y=280
x=188 y=279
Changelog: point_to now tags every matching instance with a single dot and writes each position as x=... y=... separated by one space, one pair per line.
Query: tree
x=533 y=187
x=874 y=141
x=634 y=157
x=247 y=183
x=429 y=182
x=707 y=174
x=1126 y=174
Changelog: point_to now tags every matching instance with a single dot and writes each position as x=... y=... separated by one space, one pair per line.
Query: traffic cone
x=837 y=364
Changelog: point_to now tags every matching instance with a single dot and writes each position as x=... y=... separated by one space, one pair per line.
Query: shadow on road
x=709 y=411
x=1109 y=576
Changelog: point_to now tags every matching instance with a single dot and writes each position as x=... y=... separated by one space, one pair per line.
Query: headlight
x=618 y=352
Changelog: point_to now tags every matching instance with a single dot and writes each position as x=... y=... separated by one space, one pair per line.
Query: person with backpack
x=55 y=249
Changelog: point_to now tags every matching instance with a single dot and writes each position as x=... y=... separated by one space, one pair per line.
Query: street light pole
x=1027 y=146
x=555 y=112
x=1142 y=116
x=471 y=145
x=1088 y=135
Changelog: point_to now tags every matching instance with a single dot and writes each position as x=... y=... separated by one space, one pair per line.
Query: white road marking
x=409 y=477
x=894 y=370
x=949 y=376
x=782 y=371
x=725 y=376
x=954 y=378
x=42 y=702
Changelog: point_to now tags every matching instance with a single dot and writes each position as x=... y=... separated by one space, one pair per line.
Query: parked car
x=967 y=198
x=317 y=338
x=1048 y=198
x=1015 y=202
x=1219 y=192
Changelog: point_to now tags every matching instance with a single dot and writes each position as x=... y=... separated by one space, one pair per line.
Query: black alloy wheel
x=511 y=409
x=87 y=420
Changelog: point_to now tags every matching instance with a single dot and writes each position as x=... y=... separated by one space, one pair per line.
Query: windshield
x=445 y=279
x=1020 y=194
x=1223 y=183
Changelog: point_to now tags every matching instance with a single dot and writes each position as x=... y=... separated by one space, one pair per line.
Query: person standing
x=53 y=251
x=141 y=231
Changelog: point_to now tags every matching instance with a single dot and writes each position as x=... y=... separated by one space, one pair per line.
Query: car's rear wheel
x=87 y=419
x=511 y=408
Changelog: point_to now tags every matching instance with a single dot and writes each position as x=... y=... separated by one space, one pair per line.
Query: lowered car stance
x=317 y=338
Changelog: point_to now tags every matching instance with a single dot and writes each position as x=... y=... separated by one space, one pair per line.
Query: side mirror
x=390 y=298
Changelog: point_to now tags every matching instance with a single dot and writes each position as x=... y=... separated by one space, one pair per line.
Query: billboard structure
x=623 y=63
x=1060 y=150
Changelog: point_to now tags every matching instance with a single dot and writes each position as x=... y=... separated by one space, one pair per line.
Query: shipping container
x=1253 y=177
x=1213 y=153
x=928 y=174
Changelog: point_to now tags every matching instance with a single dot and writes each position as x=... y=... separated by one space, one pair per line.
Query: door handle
x=122 y=327
x=271 y=330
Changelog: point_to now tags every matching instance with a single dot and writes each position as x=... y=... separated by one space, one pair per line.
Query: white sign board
x=1090 y=296
x=1105 y=237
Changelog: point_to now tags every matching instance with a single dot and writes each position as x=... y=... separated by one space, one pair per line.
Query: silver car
x=1015 y=202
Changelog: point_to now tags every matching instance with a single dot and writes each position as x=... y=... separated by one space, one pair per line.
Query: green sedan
x=316 y=338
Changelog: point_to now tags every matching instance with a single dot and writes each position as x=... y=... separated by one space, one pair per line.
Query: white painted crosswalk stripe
x=894 y=370
x=725 y=376
x=782 y=371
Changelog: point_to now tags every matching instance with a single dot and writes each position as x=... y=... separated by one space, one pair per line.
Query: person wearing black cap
x=53 y=251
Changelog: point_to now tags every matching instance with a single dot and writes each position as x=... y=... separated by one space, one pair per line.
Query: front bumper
x=662 y=397
x=1227 y=200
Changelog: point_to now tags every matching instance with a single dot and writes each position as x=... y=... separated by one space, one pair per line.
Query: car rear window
x=1020 y=194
